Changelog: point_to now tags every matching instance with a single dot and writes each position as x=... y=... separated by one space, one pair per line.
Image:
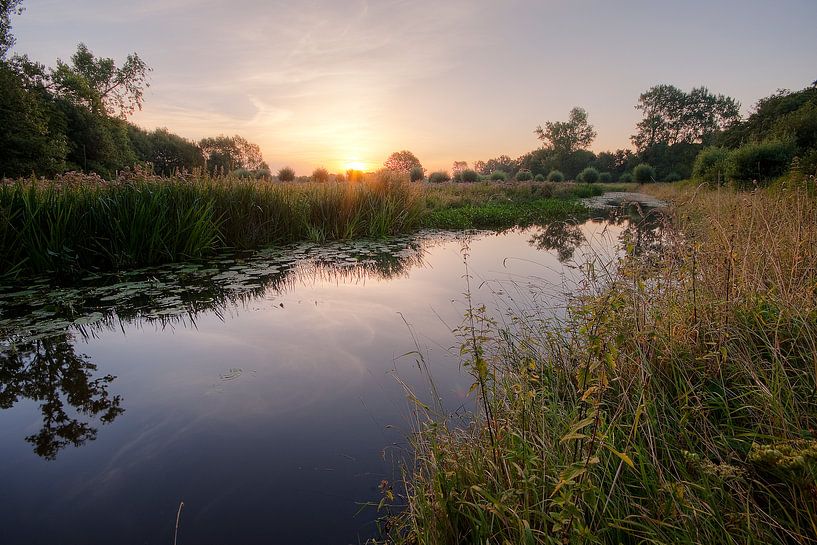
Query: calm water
x=260 y=391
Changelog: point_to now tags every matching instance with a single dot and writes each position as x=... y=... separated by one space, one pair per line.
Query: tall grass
x=78 y=223
x=84 y=223
x=675 y=403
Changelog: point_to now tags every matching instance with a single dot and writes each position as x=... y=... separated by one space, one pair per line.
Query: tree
x=286 y=174
x=7 y=9
x=568 y=136
x=100 y=85
x=227 y=153
x=458 y=167
x=320 y=175
x=402 y=161
x=672 y=116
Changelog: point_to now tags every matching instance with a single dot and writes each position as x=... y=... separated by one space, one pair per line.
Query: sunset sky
x=325 y=83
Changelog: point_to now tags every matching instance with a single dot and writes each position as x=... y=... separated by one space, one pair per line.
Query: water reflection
x=50 y=372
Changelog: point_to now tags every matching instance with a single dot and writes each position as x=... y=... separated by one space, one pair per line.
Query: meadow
x=77 y=223
x=675 y=402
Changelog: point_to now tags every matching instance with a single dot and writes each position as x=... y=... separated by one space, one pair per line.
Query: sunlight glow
x=355 y=165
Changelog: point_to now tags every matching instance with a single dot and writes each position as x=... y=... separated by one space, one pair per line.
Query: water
x=262 y=391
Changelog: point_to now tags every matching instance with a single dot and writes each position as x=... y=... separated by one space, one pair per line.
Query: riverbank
x=82 y=223
x=675 y=402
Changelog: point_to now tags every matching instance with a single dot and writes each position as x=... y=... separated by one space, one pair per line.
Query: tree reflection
x=564 y=237
x=49 y=371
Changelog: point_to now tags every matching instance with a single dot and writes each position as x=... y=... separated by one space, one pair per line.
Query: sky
x=333 y=82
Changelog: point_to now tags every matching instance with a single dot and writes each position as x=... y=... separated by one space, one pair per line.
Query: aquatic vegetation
x=674 y=402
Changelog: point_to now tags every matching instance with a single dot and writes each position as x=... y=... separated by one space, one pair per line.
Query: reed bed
x=676 y=402
x=77 y=223
x=82 y=223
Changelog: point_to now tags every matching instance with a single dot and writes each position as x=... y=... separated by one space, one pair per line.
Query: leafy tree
x=416 y=174
x=469 y=175
x=605 y=177
x=227 y=153
x=555 y=176
x=710 y=165
x=589 y=175
x=402 y=161
x=165 y=151
x=672 y=116
x=458 y=167
x=503 y=163
x=499 y=176
x=643 y=173
x=7 y=9
x=439 y=177
x=286 y=174
x=30 y=140
x=568 y=136
x=524 y=176
x=100 y=85
x=320 y=175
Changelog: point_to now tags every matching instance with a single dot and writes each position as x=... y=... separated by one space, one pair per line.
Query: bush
x=416 y=174
x=499 y=176
x=469 y=175
x=540 y=178
x=625 y=178
x=286 y=174
x=673 y=177
x=710 y=165
x=439 y=177
x=605 y=177
x=524 y=176
x=644 y=174
x=556 y=176
x=759 y=162
x=589 y=175
x=320 y=175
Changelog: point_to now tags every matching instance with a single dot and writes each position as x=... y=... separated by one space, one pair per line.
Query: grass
x=79 y=223
x=676 y=402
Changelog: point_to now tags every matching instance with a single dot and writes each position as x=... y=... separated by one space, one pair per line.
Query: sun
x=355 y=165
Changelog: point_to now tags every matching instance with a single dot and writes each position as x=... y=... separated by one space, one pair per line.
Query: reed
x=675 y=402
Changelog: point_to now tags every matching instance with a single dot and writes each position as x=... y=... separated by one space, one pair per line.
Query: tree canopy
x=568 y=136
x=673 y=116
x=402 y=161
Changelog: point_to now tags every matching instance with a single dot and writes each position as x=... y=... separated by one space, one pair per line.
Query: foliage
x=503 y=163
x=643 y=173
x=666 y=158
x=678 y=387
x=499 y=176
x=589 y=175
x=710 y=165
x=672 y=116
x=605 y=177
x=402 y=161
x=539 y=178
x=99 y=85
x=439 y=177
x=568 y=136
x=78 y=223
x=524 y=176
x=320 y=175
x=286 y=174
x=673 y=177
x=226 y=153
x=469 y=176
x=7 y=9
x=555 y=176
x=416 y=174
x=759 y=163
x=166 y=152
x=459 y=167
x=625 y=178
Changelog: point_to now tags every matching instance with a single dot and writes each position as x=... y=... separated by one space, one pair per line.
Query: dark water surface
x=261 y=391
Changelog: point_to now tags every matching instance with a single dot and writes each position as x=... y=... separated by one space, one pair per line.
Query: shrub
x=416 y=174
x=672 y=177
x=710 y=165
x=556 y=176
x=499 y=176
x=589 y=175
x=625 y=178
x=540 y=178
x=759 y=162
x=320 y=175
x=242 y=173
x=605 y=177
x=439 y=177
x=524 y=176
x=286 y=174
x=643 y=173
x=470 y=176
